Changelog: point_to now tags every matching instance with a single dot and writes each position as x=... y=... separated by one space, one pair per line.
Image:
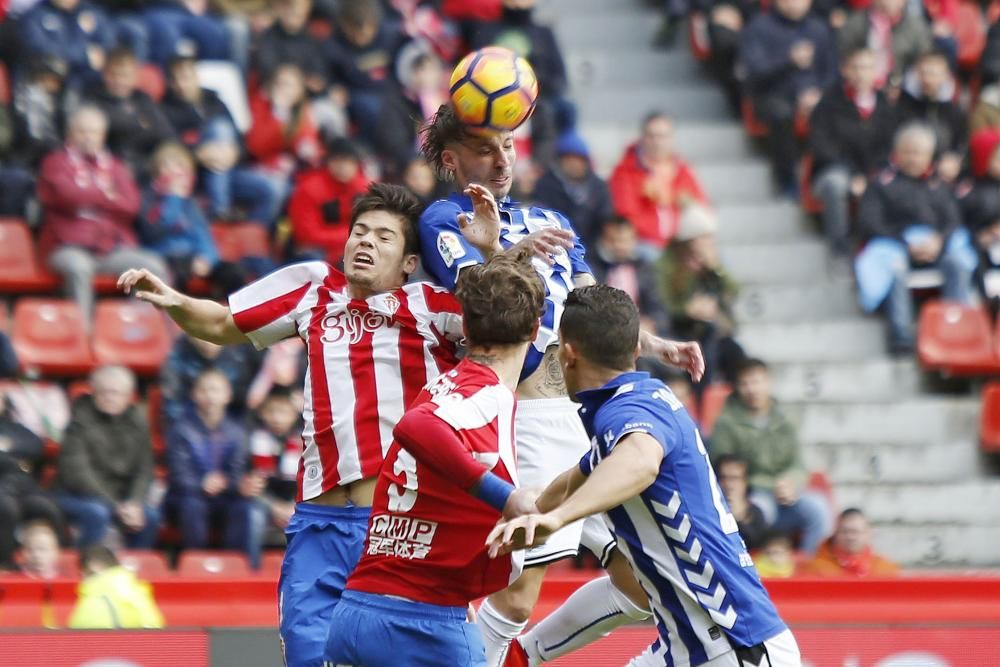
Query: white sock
x=593 y=611
x=497 y=632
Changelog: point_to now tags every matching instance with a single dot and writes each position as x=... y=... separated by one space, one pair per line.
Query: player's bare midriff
x=547 y=380
x=358 y=493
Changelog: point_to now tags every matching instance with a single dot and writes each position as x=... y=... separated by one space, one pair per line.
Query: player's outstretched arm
x=200 y=318
x=630 y=468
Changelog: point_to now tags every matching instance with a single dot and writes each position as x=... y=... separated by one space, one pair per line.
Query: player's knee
x=624 y=582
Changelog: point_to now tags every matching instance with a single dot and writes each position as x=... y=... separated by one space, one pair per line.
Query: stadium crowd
x=133 y=134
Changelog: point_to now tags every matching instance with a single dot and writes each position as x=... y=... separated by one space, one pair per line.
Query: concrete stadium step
x=559 y=8
x=975 y=502
x=738 y=183
x=939 y=545
x=771 y=220
x=926 y=419
x=825 y=299
x=795 y=263
x=620 y=31
x=949 y=461
x=697 y=143
x=628 y=105
x=590 y=70
x=850 y=381
x=835 y=340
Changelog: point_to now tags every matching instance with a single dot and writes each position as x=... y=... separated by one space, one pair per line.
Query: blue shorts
x=323 y=546
x=371 y=630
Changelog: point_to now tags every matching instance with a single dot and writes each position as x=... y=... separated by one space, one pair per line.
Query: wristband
x=493 y=491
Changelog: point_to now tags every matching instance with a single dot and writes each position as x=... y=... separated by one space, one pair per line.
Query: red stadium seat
x=50 y=337
x=956 y=339
x=20 y=268
x=970 y=34
x=698 y=40
x=989 y=428
x=270 y=564
x=712 y=402
x=754 y=127
x=145 y=564
x=243 y=239
x=151 y=81
x=4 y=85
x=130 y=333
x=807 y=198
x=213 y=564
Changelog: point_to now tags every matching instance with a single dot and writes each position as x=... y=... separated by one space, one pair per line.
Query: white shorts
x=551 y=440
x=780 y=650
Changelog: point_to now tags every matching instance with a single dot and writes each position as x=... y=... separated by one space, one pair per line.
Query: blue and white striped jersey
x=678 y=534
x=444 y=252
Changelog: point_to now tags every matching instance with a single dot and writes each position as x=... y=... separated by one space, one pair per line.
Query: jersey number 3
x=404 y=500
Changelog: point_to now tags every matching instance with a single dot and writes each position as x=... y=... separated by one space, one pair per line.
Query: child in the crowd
x=275 y=449
x=111 y=596
x=776 y=557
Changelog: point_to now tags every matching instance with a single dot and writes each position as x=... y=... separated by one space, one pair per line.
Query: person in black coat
x=850 y=135
x=928 y=97
x=21 y=499
x=909 y=217
x=789 y=58
x=571 y=187
x=136 y=124
x=288 y=41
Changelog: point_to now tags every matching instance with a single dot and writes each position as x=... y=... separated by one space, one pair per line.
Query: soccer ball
x=493 y=90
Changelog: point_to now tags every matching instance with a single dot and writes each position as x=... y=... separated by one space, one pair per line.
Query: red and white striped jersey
x=427 y=535
x=367 y=360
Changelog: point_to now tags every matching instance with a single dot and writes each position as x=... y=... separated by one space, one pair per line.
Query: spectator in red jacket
x=650 y=186
x=89 y=202
x=320 y=207
x=282 y=133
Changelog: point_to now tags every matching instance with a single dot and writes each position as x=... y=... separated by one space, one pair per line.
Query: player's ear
x=449 y=160
x=569 y=353
x=534 y=329
x=409 y=264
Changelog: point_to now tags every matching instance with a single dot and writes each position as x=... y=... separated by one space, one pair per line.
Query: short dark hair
x=179 y=61
x=97 y=553
x=849 y=512
x=750 y=364
x=935 y=54
x=501 y=300
x=442 y=129
x=120 y=54
x=656 y=114
x=359 y=12
x=602 y=323
x=851 y=53
x=731 y=459
x=398 y=201
x=617 y=222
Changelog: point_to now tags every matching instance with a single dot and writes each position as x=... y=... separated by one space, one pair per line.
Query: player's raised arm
x=200 y=318
x=630 y=468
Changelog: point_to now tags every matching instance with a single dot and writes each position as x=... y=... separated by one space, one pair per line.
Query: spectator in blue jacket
x=571 y=187
x=172 y=223
x=208 y=467
x=189 y=357
x=185 y=27
x=203 y=124
x=74 y=30
x=789 y=59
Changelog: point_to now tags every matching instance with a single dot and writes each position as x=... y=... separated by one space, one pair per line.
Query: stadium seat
x=145 y=564
x=49 y=336
x=712 y=402
x=270 y=564
x=212 y=564
x=989 y=428
x=154 y=402
x=754 y=127
x=955 y=339
x=808 y=199
x=151 y=81
x=20 y=268
x=239 y=240
x=970 y=34
x=698 y=40
x=4 y=85
x=130 y=333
